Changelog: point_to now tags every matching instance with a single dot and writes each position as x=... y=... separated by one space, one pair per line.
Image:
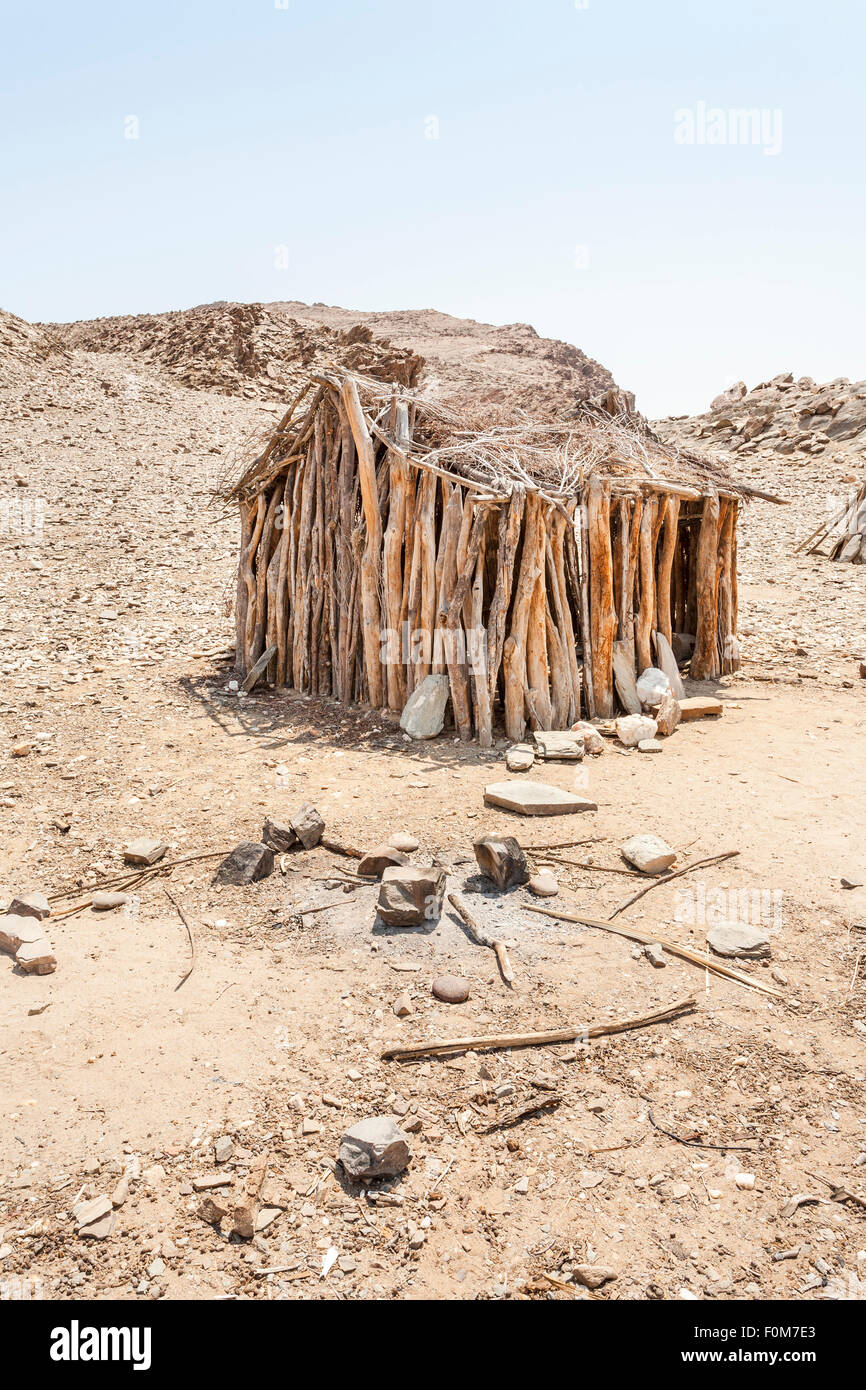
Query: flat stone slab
x=424 y=712
x=144 y=852
x=535 y=799
x=733 y=939
x=16 y=931
x=562 y=745
x=33 y=904
x=378 y=859
x=699 y=707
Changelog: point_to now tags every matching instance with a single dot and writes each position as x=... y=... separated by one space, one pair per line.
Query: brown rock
x=668 y=714
x=144 y=852
x=501 y=859
x=32 y=904
x=278 y=836
x=36 y=957
x=451 y=989
x=409 y=897
x=699 y=707
x=378 y=859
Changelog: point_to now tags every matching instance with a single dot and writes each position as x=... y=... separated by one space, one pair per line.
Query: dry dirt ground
x=115 y=572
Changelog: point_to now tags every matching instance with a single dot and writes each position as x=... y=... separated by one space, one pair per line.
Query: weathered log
x=371 y=560
x=665 y=566
x=510 y=522
x=455 y=640
x=514 y=650
x=705 y=662
x=646 y=609
x=602 y=614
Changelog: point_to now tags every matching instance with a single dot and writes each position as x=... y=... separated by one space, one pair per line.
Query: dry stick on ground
x=694 y=1143
x=182 y=915
x=324 y=907
x=652 y=938
x=337 y=847
x=565 y=844
x=677 y=873
x=557 y=1035
x=523 y=1112
x=150 y=871
x=585 y=864
x=838 y=1193
x=481 y=936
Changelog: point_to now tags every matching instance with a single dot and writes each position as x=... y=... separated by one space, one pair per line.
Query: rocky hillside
x=263 y=351
x=782 y=417
x=509 y=363
x=23 y=347
x=241 y=349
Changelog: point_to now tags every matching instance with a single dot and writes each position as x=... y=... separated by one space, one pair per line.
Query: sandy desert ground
x=674 y=1156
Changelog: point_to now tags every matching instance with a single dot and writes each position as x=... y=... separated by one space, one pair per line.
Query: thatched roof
x=497 y=448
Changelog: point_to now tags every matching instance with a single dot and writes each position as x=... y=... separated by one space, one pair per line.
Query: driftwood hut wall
x=363 y=570
x=659 y=562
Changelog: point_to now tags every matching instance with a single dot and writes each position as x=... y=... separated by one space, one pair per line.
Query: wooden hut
x=386 y=537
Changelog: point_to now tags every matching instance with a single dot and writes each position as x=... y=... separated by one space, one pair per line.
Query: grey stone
x=655 y=955
x=668 y=663
x=535 y=799
x=501 y=859
x=624 y=679
x=424 y=712
x=103 y=902
x=308 y=826
x=33 y=904
x=374 y=1148
x=649 y=853
x=278 y=836
x=223 y=1148
x=144 y=851
x=409 y=897
x=649 y=745
x=248 y=862
x=562 y=745
x=378 y=859
x=735 y=939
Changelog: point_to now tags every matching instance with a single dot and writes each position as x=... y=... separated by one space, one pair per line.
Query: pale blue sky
x=305 y=127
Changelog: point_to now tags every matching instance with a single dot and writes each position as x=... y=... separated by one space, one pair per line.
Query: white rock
x=652 y=686
x=592 y=740
x=631 y=728
x=649 y=853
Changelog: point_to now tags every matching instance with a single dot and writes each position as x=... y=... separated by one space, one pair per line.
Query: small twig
x=183 y=918
x=676 y=873
x=693 y=1143
x=523 y=1112
x=325 y=907
x=837 y=1193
